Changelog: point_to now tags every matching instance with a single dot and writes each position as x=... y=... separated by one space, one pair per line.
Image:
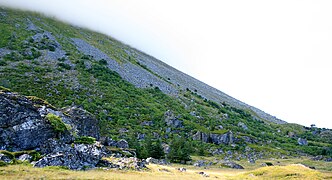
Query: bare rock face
x=227 y=138
x=200 y=136
x=25 y=125
x=86 y=124
x=76 y=156
x=21 y=123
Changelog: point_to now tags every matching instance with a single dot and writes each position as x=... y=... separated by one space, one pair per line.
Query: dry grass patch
x=295 y=171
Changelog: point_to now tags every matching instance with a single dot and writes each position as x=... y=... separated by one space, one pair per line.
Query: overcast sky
x=275 y=55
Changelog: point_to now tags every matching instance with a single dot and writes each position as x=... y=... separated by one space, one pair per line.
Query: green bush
x=64 y=65
x=85 y=140
x=56 y=122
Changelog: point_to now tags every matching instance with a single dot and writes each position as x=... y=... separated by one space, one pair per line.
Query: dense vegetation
x=123 y=109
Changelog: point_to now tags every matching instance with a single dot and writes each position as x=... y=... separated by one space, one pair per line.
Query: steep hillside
x=139 y=98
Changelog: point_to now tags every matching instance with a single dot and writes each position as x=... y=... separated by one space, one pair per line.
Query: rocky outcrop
x=200 y=136
x=227 y=138
x=21 y=123
x=85 y=123
x=24 y=118
x=75 y=156
x=31 y=123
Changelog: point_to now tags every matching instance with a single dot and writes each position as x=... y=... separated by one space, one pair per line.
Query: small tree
x=180 y=150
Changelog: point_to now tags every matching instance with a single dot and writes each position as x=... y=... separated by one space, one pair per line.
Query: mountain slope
x=137 y=97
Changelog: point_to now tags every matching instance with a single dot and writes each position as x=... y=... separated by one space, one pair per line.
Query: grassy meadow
x=284 y=170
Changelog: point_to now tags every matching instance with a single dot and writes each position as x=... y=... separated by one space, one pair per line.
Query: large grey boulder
x=76 y=156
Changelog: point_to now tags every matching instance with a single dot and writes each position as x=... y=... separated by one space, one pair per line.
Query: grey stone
x=25 y=157
x=226 y=138
x=302 y=142
x=4 y=158
x=242 y=125
x=147 y=123
x=141 y=136
x=231 y=164
x=200 y=136
x=200 y=163
x=172 y=120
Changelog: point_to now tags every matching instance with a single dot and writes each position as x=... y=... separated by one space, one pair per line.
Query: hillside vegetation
x=139 y=99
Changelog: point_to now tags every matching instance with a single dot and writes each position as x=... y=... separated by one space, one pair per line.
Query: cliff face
x=25 y=123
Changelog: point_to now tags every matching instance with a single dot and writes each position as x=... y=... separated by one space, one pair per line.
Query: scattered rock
x=252 y=161
x=302 y=142
x=156 y=161
x=226 y=138
x=140 y=136
x=231 y=165
x=182 y=169
x=171 y=120
x=200 y=163
x=163 y=170
x=85 y=123
x=147 y=123
x=317 y=158
x=328 y=160
x=242 y=125
x=126 y=163
x=166 y=148
x=5 y=158
x=204 y=174
x=107 y=141
x=220 y=127
x=25 y=157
